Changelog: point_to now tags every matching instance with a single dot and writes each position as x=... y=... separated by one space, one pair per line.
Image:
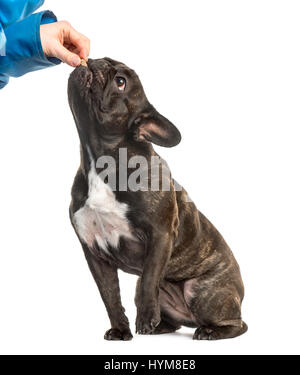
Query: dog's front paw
x=147 y=320
x=118 y=334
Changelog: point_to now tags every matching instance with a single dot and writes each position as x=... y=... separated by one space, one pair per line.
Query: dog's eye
x=121 y=83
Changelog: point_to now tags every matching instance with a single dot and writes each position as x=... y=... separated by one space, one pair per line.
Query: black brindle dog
x=187 y=273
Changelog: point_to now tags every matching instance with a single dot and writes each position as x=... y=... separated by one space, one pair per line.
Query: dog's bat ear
x=151 y=126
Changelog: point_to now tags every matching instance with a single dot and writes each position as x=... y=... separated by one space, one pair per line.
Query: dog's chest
x=102 y=220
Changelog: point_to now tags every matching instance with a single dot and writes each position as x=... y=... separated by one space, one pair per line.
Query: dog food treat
x=83 y=62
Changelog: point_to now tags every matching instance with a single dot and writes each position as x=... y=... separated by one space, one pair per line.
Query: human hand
x=60 y=40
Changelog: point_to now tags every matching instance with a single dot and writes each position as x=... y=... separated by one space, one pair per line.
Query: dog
x=187 y=273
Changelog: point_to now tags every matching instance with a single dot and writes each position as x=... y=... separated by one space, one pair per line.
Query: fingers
x=76 y=39
x=61 y=40
x=65 y=55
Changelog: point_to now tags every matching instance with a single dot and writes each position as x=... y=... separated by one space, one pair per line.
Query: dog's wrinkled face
x=108 y=97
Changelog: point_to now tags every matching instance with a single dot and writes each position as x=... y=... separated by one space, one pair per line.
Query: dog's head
x=108 y=97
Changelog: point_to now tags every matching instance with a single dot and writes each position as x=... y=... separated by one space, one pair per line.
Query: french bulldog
x=187 y=273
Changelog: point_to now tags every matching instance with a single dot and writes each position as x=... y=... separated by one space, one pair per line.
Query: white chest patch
x=102 y=219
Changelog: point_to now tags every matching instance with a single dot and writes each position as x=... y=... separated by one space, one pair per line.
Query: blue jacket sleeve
x=15 y=10
x=23 y=49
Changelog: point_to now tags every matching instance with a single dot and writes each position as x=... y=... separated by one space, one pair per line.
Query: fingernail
x=76 y=60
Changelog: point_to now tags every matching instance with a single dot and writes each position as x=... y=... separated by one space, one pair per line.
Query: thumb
x=66 y=56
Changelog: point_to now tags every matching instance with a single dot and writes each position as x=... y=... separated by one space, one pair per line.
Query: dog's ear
x=151 y=126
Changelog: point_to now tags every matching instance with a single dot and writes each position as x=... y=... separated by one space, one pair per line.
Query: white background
x=227 y=73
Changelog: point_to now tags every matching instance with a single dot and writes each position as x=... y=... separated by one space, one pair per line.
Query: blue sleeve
x=23 y=48
x=15 y=10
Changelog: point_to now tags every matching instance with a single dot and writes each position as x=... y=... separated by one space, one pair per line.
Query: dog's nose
x=89 y=61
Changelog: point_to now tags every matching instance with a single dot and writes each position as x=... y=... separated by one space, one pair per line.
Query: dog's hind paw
x=203 y=334
x=219 y=333
x=117 y=334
